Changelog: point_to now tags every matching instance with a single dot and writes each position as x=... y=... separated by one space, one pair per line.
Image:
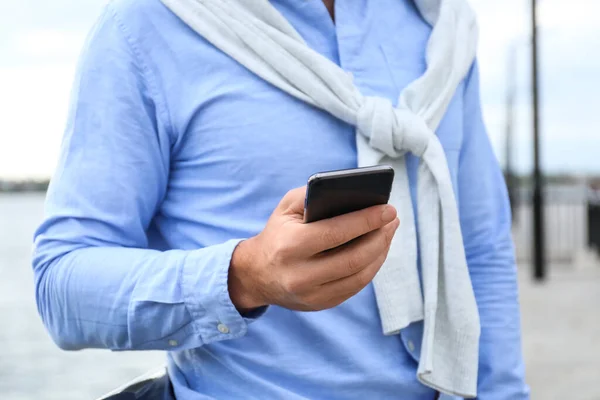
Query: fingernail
x=388 y=214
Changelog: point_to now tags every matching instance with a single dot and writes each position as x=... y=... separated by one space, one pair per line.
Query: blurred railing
x=566 y=222
x=593 y=219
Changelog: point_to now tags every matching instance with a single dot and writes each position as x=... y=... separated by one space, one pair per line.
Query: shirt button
x=173 y=343
x=411 y=345
x=223 y=328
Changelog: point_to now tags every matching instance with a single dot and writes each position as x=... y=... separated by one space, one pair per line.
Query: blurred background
x=560 y=282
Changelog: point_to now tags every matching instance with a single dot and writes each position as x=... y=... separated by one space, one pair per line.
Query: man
x=168 y=224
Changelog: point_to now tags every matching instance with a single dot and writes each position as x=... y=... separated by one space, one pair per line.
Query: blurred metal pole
x=539 y=263
x=510 y=115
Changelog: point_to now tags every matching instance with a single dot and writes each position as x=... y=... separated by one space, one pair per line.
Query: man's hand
x=310 y=267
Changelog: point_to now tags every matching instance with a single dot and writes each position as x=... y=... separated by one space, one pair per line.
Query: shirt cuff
x=206 y=294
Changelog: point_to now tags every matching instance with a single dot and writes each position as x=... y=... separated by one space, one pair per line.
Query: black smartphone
x=334 y=193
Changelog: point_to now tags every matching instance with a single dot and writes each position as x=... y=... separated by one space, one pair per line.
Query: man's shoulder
x=138 y=14
x=144 y=24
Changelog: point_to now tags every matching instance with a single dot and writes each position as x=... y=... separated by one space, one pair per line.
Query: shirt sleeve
x=486 y=225
x=97 y=283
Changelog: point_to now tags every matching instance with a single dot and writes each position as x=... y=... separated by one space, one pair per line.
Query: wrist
x=242 y=279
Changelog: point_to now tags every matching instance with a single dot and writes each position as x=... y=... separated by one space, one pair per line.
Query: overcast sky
x=40 y=41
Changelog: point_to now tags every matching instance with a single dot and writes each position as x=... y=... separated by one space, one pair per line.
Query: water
x=31 y=366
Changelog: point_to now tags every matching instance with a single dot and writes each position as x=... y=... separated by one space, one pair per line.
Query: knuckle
x=291 y=194
x=331 y=236
x=312 y=302
x=291 y=197
x=292 y=286
x=354 y=263
x=297 y=194
x=370 y=221
x=362 y=280
x=282 y=250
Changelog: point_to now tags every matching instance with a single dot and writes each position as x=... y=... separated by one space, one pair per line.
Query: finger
x=352 y=258
x=333 y=232
x=347 y=287
x=335 y=293
x=293 y=201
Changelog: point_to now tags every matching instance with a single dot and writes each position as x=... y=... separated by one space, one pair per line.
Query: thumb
x=293 y=201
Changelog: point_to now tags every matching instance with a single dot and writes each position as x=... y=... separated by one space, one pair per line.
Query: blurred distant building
x=28 y=185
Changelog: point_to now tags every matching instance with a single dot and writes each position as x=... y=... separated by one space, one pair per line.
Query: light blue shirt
x=173 y=152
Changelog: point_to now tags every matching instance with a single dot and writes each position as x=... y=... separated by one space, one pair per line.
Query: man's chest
x=231 y=124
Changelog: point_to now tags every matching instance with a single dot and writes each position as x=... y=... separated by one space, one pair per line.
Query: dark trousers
x=153 y=389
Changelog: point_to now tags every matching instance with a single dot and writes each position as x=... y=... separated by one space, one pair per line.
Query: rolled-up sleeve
x=97 y=283
x=486 y=226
